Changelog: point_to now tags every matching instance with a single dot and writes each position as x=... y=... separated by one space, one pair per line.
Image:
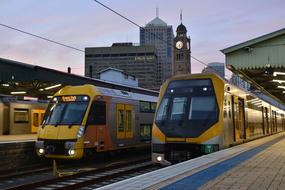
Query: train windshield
x=188 y=100
x=66 y=111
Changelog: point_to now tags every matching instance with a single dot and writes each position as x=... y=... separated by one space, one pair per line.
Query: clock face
x=179 y=44
x=188 y=45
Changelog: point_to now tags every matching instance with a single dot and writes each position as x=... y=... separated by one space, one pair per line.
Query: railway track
x=95 y=178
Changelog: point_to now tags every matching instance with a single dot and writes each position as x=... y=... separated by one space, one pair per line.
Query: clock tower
x=181 y=51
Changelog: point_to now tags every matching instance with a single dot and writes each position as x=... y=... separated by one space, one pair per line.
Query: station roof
x=23 y=79
x=261 y=62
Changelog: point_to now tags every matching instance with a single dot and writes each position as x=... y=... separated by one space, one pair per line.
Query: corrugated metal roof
x=254 y=41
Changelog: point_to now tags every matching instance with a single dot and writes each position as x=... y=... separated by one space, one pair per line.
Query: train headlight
x=159 y=158
x=71 y=152
x=80 y=131
x=41 y=151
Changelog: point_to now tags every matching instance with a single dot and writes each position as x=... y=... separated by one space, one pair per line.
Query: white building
x=118 y=76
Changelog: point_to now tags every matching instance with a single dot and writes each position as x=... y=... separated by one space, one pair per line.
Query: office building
x=137 y=60
x=159 y=34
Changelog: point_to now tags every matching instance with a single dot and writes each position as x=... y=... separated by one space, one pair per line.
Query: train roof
x=127 y=95
x=238 y=90
x=92 y=90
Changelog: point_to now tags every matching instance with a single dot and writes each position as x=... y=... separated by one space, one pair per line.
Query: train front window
x=187 y=101
x=65 y=113
x=162 y=110
x=202 y=108
x=178 y=108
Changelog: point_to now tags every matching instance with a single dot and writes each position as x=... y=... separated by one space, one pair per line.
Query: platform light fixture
x=257 y=103
x=6 y=85
x=18 y=92
x=278 y=73
x=252 y=100
x=30 y=98
x=281 y=87
x=279 y=81
x=54 y=86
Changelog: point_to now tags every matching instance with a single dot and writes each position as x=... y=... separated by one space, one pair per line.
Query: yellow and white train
x=202 y=113
x=86 y=119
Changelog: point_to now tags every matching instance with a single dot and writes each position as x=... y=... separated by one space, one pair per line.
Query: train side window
x=97 y=113
x=121 y=121
x=128 y=120
x=21 y=115
x=145 y=132
x=36 y=119
x=145 y=107
x=152 y=107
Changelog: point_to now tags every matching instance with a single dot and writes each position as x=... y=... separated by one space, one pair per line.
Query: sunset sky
x=212 y=25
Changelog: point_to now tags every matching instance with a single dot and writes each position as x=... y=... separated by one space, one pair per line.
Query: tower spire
x=181 y=16
x=157 y=11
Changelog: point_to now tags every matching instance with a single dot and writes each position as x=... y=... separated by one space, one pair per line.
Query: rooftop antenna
x=157 y=11
x=181 y=16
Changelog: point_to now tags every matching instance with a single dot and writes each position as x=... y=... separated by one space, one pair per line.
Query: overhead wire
x=42 y=38
x=80 y=50
x=134 y=23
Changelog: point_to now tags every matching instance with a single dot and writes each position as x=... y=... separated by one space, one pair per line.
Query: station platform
x=17 y=138
x=259 y=164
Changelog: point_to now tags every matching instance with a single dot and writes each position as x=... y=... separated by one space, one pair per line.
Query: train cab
x=203 y=113
x=61 y=132
x=187 y=115
x=83 y=120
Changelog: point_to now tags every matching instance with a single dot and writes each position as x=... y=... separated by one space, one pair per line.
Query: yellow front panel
x=157 y=134
x=48 y=132
x=66 y=132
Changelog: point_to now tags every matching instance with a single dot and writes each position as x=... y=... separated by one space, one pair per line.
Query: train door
x=124 y=121
x=263 y=120
x=241 y=119
x=36 y=120
x=272 y=126
x=266 y=122
x=235 y=119
x=96 y=129
x=283 y=122
x=238 y=118
x=276 y=124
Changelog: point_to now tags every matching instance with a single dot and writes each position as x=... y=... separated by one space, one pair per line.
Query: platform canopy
x=261 y=62
x=21 y=79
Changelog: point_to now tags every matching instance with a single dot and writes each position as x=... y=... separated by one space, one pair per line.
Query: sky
x=212 y=25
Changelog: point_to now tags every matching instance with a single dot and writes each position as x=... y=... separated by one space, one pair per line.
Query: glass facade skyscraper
x=159 y=34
